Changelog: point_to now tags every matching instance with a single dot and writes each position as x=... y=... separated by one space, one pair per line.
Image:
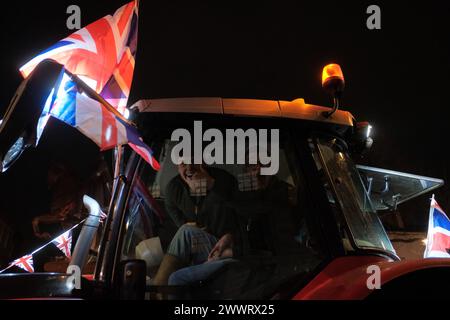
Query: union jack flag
x=25 y=263
x=438 y=238
x=102 y=54
x=92 y=119
x=64 y=243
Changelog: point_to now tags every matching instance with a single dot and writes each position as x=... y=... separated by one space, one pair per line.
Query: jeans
x=191 y=245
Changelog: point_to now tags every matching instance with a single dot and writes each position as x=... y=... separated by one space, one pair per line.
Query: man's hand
x=44 y=219
x=64 y=211
x=223 y=248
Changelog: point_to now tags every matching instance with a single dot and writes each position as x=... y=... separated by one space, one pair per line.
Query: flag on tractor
x=92 y=119
x=64 y=243
x=25 y=263
x=102 y=55
x=438 y=238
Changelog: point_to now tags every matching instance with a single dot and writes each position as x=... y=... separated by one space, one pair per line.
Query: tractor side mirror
x=20 y=126
x=361 y=140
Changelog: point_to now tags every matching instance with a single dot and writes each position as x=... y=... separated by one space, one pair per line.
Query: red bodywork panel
x=345 y=278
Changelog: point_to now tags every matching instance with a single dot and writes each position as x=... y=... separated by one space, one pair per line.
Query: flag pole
x=430 y=221
x=94 y=95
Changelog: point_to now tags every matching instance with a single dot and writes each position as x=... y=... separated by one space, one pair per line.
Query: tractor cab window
x=221 y=231
x=360 y=225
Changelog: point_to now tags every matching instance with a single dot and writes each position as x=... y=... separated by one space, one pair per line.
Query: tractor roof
x=296 y=109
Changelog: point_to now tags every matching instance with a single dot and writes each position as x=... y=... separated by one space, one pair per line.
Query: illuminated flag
x=102 y=54
x=25 y=263
x=96 y=122
x=438 y=238
x=64 y=243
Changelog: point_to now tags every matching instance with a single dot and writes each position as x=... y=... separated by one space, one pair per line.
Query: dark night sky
x=397 y=77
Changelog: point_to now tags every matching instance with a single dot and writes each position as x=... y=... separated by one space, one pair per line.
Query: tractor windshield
x=347 y=190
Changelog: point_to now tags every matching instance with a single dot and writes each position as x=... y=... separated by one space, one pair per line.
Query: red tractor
x=309 y=226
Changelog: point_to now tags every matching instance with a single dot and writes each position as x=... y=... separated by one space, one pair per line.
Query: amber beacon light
x=333 y=82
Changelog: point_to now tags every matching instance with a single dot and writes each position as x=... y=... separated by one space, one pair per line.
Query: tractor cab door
x=388 y=188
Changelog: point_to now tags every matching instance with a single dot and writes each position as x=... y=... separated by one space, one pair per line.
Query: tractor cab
x=312 y=205
x=252 y=200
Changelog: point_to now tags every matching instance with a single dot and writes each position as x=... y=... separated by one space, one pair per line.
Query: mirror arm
x=386 y=185
x=370 y=185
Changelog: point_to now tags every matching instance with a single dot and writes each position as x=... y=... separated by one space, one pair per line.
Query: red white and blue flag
x=64 y=243
x=438 y=239
x=25 y=263
x=102 y=54
x=92 y=119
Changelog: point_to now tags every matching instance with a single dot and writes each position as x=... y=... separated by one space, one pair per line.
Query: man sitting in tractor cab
x=264 y=206
x=195 y=200
x=266 y=226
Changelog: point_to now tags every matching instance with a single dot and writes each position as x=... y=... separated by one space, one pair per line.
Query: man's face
x=188 y=171
x=252 y=179
x=253 y=169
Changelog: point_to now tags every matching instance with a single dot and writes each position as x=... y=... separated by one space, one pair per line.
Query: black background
x=396 y=77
